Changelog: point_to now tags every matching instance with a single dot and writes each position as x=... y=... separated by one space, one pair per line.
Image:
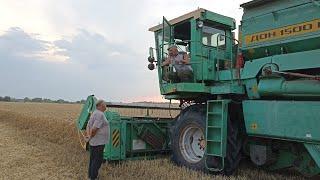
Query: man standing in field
x=98 y=136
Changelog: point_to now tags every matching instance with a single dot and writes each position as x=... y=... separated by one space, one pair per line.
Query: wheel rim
x=192 y=144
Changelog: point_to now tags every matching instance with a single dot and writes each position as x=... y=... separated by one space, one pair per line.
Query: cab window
x=211 y=37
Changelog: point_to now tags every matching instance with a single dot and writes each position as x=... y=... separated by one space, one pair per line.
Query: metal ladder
x=216 y=133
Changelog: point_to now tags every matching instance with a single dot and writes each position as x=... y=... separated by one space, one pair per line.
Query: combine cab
x=208 y=39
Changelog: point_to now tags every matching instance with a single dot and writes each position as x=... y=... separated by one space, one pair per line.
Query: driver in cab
x=182 y=70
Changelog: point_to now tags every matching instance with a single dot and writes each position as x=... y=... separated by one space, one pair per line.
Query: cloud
x=93 y=65
x=95 y=51
x=16 y=42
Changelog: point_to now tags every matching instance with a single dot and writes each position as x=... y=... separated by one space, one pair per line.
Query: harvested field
x=40 y=141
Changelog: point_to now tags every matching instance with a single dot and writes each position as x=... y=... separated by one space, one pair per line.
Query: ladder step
x=215 y=113
x=215 y=141
x=214 y=126
x=216 y=155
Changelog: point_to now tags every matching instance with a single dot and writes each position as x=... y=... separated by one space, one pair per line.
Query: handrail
x=218 y=62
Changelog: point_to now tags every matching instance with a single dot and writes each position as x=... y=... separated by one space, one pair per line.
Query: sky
x=69 y=49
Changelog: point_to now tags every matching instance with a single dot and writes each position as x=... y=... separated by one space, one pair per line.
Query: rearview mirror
x=151 y=56
x=151 y=66
x=151 y=59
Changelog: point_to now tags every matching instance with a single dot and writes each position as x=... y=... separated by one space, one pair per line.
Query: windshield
x=211 y=37
x=164 y=49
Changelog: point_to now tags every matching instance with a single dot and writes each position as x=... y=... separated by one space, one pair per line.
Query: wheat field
x=40 y=141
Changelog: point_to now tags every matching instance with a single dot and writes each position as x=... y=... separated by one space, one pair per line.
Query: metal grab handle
x=231 y=57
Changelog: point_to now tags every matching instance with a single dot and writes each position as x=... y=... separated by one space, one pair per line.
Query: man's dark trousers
x=96 y=159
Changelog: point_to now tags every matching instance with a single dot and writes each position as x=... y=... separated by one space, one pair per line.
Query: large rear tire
x=188 y=140
x=235 y=140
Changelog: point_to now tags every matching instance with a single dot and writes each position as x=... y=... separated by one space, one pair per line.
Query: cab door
x=166 y=41
x=167 y=37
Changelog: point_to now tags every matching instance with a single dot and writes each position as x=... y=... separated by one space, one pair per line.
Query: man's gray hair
x=172 y=46
x=99 y=102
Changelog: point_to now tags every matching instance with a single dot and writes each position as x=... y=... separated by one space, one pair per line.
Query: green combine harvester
x=256 y=97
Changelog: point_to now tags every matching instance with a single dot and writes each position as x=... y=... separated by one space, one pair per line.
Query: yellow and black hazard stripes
x=115 y=138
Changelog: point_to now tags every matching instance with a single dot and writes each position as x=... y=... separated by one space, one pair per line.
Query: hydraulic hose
x=81 y=137
x=82 y=140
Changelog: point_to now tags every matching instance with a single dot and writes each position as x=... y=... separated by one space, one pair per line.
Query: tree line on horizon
x=39 y=100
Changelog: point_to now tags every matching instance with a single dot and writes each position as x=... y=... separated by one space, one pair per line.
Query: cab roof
x=198 y=14
x=194 y=14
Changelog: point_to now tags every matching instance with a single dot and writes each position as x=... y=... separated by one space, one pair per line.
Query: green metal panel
x=228 y=88
x=285 y=62
x=112 y=116
x=185 y=88
x=314 y=151
x=252 y=68
x=252 y=88
x=136 y=138
x=293 y=88
x=260 y=7
x=146 y=137
x=220 y=19
x=123 y=135
x=112 y=149
x=300 y=60
x=216 y=132
x=212 y=60
x=86 y=111
x=153 y=134
x=227 y=75
x=195 y=43
x=133 y=139
x=290 y=120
